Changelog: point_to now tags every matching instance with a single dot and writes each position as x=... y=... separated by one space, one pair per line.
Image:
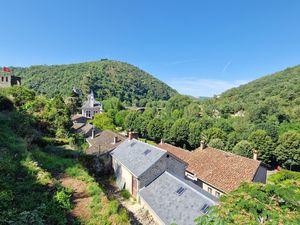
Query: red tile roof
x=178 y=152
x=223 y=170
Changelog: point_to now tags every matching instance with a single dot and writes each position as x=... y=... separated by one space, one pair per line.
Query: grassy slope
x=30 y=192
x=109 y=78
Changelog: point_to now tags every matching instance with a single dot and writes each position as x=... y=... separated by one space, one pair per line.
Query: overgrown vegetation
x=32 y=157
x=277 y=202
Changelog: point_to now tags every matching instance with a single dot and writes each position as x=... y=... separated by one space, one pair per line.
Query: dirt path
x=138 y=215
x=80 y=198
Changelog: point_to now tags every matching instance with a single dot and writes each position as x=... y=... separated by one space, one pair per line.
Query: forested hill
x=281 y=89
x=106 y=77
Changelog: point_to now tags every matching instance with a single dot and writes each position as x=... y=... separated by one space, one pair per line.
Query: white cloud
x=203 y=87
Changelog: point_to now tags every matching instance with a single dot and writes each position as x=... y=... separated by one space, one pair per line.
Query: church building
x=91 y=106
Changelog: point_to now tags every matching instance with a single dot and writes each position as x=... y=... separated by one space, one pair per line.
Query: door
x=134 y=186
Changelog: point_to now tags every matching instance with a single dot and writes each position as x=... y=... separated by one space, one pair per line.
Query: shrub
x=125 y=194
x=63 y=198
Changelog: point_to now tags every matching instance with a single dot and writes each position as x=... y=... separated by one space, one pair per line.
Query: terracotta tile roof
x=223 y=170
x=178 y=152
x=105 y=140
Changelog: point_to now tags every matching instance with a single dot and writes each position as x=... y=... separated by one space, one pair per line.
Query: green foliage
x=263 y=144
x=120 y=118
x=179 y=132
x=103 y=122
x=216 y=143
x=23 y=194
x=125 y=194
x=5 y=104
x=213 y=133
x=243 y=148
x=195 y=130
x=63 y=198
x=107 y=78
x=131 y=121
x=112 y=103
x=277 y=202
x=155 y=129
x=288 y=149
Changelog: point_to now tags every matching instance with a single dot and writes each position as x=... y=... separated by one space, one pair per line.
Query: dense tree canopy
x=107 y=78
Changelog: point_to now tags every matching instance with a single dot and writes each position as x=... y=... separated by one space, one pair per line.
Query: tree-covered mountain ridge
x=281 y=89
x=106 y=77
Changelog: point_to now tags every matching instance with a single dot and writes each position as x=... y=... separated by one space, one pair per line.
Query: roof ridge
x=229 y=153
x=148 y=144
x=174 y=147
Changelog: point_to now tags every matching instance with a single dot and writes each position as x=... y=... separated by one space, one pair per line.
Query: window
x=6 y=79
x=180 y=191
x=209 y=190
x=147 y=152
x=2 y=79
x=204 y=208
x=218 y=194
x=88 y=114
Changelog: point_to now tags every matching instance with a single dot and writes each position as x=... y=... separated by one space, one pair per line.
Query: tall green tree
x=263 y=144
x=103 y=122
x=120 y=118
x=243 y=148
x=155 y=129
x=179 y=132
x=195 y=129
x=288 y=149
x=131 y=121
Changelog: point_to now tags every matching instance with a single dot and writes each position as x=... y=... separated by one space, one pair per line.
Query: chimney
x=255 y=154
x=115 y=140
x=162 y=141
x=132 y=135
x=93 y=132
x=202 y=145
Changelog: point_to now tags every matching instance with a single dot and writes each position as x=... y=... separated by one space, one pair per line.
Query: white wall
x=123 y=173
x=213 y=190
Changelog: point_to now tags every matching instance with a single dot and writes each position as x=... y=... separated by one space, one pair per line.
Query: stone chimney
x=132 y=135
x=255 y=154
x=115 y=140
x=202 y=145
x=162 y=141
x=93 y=132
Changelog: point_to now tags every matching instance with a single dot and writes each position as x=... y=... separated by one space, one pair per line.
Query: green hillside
x=106 y=77
x=281 y=89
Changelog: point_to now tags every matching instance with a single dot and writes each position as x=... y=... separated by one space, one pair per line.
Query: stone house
x=136 y=164
x=100 y=146
x=91 y=107
x=218 y=172
x=8 y=80
x=156 y=178
x=173 y=200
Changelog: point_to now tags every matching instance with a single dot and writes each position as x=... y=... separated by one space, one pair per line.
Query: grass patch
x=125 y=194
x=147 y=141
x=103 y=209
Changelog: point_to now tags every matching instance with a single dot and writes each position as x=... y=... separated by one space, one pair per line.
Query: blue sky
x=198 y=47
